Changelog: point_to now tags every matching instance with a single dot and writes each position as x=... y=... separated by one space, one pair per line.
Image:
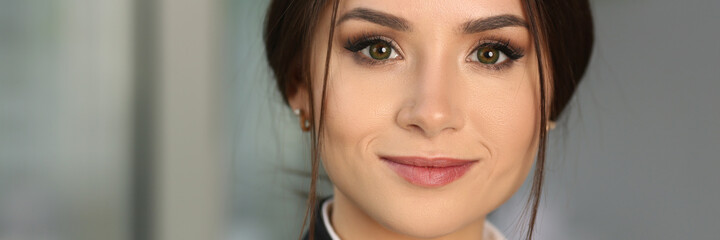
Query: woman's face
x=432 y=116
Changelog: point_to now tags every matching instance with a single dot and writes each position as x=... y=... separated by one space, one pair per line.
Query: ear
x=299 y=98
x=295 y=87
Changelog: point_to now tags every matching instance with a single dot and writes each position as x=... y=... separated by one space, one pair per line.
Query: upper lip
x=427 y=162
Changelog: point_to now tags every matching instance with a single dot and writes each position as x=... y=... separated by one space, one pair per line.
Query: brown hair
x=562 y=33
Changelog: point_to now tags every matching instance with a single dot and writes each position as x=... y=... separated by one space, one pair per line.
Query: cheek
x=355 y=106
x=508 y=119
x=358 y=111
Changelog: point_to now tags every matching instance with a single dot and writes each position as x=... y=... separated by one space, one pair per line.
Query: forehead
x=439 y=12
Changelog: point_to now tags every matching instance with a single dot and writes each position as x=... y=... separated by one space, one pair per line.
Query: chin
x=425 y=217
x=427 y=226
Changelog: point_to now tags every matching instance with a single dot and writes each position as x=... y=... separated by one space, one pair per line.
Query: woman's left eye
x=489 y=55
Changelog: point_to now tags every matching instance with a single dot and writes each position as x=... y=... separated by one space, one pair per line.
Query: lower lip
x=429 y=176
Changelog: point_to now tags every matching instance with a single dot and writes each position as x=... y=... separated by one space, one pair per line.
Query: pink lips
x=428 y=172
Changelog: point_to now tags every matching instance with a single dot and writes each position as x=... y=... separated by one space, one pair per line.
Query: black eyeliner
x=355 y=44
x=509 y=51
x=360 y=42
x=503 y=45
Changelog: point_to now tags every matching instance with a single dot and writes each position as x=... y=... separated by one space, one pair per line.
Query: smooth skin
x=431 y=100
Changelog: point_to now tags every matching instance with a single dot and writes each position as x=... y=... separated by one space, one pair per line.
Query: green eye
x=488 y=55
x=373 y=50
x=380 y=51
x=495 y=55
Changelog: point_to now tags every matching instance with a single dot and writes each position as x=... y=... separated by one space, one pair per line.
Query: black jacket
x=321 y=232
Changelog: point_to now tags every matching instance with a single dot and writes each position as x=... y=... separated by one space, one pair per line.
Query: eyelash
x=503 y=45
x=355 y=44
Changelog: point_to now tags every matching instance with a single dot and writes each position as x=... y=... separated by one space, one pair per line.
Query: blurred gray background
x=158 y=119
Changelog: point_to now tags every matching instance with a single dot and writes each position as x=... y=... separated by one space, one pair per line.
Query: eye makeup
x=362 y=48
x=502 y=46
x=367 y=41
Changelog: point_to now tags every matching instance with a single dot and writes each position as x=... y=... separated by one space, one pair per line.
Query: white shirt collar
x=490 y=232
x=326 y=219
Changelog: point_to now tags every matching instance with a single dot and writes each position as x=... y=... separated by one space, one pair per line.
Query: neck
x=350 y=223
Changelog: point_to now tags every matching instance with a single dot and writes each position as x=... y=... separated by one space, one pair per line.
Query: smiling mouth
x=428 y=172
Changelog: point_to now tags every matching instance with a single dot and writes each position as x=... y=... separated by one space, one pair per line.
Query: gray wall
x=64 y=119
x=111 y=125
x=636 y=157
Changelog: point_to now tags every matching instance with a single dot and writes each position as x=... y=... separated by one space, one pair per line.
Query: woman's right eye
x=379 y=50
x=373 y=49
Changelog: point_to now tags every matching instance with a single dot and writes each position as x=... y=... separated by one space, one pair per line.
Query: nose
x=433 y=104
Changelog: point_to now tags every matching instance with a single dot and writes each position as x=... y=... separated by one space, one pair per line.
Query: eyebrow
x=401 y=24
x=376 y=17
x=494 y=22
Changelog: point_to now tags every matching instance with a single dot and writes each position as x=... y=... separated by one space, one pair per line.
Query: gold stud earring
x=550 y=125
x=304 y=123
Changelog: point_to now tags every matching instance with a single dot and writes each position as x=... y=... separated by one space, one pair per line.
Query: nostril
x=430 y=117
x=414 y=127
